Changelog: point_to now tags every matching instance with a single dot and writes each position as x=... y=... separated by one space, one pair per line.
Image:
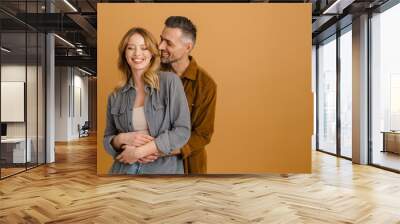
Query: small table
x=391 y=141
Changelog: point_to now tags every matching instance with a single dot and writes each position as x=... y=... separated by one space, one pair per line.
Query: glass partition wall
x=334 y=94
x=22 y=87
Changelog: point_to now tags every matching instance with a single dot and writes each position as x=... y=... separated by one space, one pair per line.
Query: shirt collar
x=189 y=73
x=191 y=70
x=129 y=85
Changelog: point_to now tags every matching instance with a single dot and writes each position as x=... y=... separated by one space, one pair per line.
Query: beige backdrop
x=260 y=56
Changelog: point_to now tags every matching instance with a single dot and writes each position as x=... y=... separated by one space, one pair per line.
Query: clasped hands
x=135 y=147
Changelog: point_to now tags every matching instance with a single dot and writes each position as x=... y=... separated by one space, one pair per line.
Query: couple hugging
x=161 y=117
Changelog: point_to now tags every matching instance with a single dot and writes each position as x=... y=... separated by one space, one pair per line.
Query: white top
x=139 y=120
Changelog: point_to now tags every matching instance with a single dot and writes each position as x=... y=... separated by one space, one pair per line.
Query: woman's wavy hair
x=150 y=76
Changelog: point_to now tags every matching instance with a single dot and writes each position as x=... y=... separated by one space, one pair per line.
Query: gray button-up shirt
x=168 y=118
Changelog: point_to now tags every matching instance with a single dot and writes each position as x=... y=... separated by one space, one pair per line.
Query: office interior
x=376 y=89
x=48 y=81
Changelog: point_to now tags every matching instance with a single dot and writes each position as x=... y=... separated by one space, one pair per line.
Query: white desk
x=17 y=147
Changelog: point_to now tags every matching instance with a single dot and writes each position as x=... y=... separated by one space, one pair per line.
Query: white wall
x=70 y=83
x=14 y=73
x=61 y=103
x=80 y=84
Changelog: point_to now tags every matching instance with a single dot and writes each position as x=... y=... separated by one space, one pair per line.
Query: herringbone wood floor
x=70 y=192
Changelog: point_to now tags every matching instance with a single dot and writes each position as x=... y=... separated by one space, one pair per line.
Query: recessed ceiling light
x=84 y=71
x=71 y=6
x=338 y=6
x=64 y=40
x=5 y=50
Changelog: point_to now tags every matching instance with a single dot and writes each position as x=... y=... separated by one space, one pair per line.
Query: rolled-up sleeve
x=110 y=130
x=179 y=113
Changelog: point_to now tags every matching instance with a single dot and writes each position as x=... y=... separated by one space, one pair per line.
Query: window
x=346 y=93
x=327 y=96
x=385 y=88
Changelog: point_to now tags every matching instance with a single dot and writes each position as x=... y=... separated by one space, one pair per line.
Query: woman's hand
x=129 y=155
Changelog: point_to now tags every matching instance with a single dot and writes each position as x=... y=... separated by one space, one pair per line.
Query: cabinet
x=391 y=141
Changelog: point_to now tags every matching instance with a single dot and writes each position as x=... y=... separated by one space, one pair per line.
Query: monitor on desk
x=3 y=130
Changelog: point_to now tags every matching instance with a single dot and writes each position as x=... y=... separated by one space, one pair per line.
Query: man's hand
x=129 y=154
x=176 y=152
x=135 y=138
x=149 y=159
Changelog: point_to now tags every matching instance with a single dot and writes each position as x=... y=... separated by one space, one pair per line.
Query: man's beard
x=168 y=60
x=165 y=60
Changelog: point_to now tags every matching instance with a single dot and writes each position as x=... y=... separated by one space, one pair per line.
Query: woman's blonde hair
x=150 y=76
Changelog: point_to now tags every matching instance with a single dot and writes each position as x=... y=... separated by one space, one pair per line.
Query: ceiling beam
x=84 y=24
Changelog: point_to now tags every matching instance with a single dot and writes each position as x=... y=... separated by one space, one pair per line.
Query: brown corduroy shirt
x=201 y=93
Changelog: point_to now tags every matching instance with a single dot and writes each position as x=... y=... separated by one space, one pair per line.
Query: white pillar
x=50 y=98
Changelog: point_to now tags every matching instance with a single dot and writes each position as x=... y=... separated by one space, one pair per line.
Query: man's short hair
x=188 y=28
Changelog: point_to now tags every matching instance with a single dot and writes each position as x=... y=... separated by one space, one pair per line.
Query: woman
x=148 y=113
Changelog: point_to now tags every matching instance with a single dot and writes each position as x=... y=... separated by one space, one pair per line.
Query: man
x=177 y=41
